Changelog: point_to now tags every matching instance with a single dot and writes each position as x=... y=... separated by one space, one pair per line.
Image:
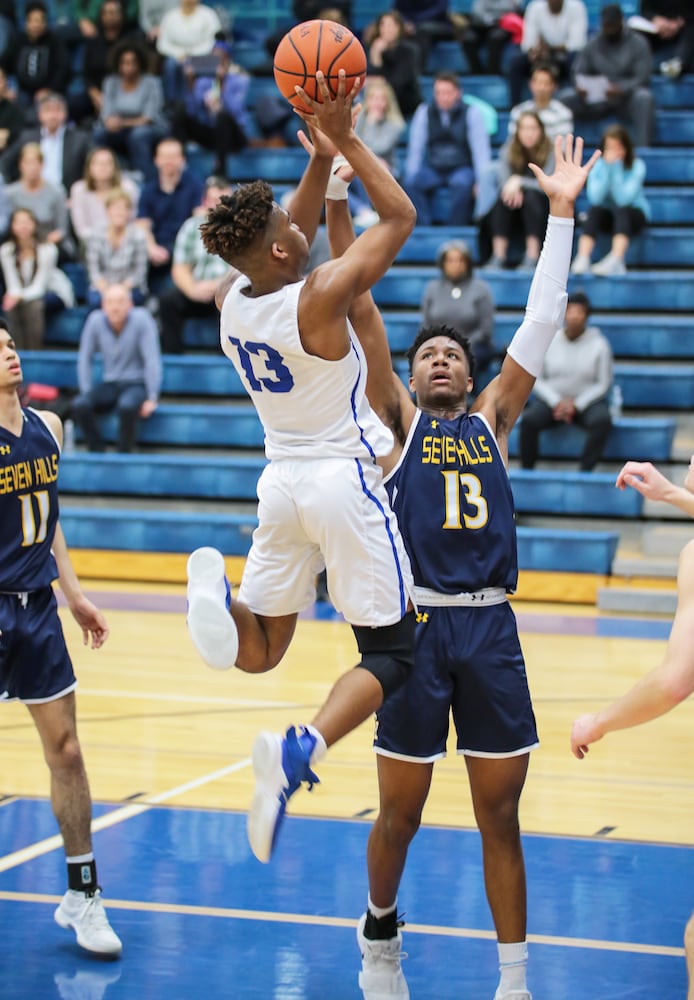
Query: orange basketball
x=317 y=45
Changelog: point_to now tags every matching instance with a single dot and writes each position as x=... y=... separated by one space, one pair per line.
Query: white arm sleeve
x=546 y=306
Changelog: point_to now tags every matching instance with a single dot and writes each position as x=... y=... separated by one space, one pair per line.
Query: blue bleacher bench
x=577 y=494
x=644 y=439
x=166 y=531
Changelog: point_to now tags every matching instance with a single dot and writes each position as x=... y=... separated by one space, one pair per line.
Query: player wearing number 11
x=35 y=666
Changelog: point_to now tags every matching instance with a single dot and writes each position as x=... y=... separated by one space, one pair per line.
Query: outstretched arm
x=505 y=397
x=652 y=484
x=661 y=689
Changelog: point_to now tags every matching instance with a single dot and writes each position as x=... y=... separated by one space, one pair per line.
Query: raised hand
x=566 y=183
x=645 y=479
x=334 y=115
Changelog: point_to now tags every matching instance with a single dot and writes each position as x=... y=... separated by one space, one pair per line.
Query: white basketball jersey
x=308 y=406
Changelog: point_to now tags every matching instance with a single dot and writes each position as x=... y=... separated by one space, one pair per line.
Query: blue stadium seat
x=566 y=551
x=188 y=425
x=647 y=439
x=578 y=494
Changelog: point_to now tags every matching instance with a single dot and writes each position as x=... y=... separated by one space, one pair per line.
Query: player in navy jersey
x=449 y=487
x=35 y=666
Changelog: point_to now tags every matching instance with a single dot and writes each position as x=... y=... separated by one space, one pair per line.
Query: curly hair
x=236 y=220
x=429 y=332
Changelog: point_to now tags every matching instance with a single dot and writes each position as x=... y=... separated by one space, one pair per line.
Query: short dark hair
x=233 y=225
x=429 y=332
x=611 y=13
x=36 y=5
x=580 y=299
x=545 y=67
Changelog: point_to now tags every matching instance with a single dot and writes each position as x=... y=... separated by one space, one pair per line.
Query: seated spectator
x=190 y=29
x=618 y=205
x=64 y=147
x=8 y=33
x=426 y=24
x=448 y=147
x=573 y=387
x=672 y=35
x=555 y=116
x=151 y=14
x=41 y=61
x=132 y=116
x=623 y=59
x=214 y=112
x=48 y=202
x=117 y=254
x=488 y=28
x=110 y=28
x=303 y=10
x=522 y=206
x=554 y=32
x=102 y=174
x=35 y=287
x=126 y=338
x=460 y=300
x=393 y=56
x=379 y=125
x=80 y=20
x=195 y=274
x=166 y=202
x=11 y=119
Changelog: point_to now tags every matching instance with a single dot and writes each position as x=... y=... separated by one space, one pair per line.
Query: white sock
x=381 y=911
x=320 y=749
x=513 y=963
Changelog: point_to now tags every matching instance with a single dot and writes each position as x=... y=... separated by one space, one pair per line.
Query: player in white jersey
x=321 y=497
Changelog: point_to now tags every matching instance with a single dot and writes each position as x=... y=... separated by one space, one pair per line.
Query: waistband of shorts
x=21 y=595
x=477 y=598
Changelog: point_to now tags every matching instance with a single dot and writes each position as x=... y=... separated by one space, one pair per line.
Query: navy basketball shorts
x=468 y=663
x=35 y=665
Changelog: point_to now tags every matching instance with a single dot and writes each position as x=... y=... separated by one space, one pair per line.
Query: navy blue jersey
x=453 y=500
x=29 y=504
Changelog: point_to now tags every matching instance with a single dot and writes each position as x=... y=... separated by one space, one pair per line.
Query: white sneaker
x=609 y=266
x=86 y=916
x=209 y=620
x=381 y=977
x=671 y=68
x=581 y=264
x=513 y=995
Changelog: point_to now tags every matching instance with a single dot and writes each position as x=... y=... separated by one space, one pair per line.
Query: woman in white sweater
x=34 y=284
x=188 y=30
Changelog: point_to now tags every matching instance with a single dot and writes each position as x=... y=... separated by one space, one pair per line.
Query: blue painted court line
x=200 y=917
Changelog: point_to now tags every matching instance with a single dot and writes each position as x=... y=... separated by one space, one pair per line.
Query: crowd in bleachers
x=114 y=113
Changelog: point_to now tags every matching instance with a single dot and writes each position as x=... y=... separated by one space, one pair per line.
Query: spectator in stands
x=8 y=33
x=460 y=300
x=117 y=254
x=97 y=58
x=132 y=111
x=11 y=118
x=573 y=388
x=214 y=112
x=623 y=59
x=393 y=56
x=102 y=174
x=380 y=125
x=34 y=284
x=617 y=201
x=426 y=23
x=190 y=29
x=151 y=14
x=47 y=201
x=449 y=148
x=165 y=203
x=63 y=146
x=521 y=205
x=83 y=18
x=672 y=35
x=554 y=32
x=555 y=116
x=491 y=25
x=126 y=337
x=41 y=61
x=195 y=273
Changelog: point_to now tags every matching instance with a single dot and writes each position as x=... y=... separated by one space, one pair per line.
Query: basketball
x=317 y=45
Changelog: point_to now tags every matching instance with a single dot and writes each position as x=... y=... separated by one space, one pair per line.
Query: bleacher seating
x=204 y=441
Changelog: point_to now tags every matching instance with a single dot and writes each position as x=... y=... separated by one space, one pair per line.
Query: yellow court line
x=227 y=913
x=118 y=815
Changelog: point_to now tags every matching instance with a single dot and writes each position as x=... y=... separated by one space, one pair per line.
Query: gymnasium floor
x=608 y=840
